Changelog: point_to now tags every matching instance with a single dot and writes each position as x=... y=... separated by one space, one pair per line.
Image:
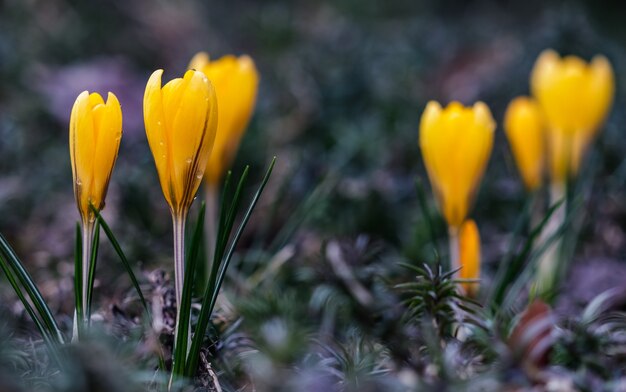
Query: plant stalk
x=88 y=231
x=549 y=260
x=453 y=242
x=178 y=221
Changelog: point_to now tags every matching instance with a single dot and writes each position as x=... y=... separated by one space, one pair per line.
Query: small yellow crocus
x=180 y=120
x=575 y=97
x=524 y=127
x=456 y=143
x=236 y=82
x=469 y=256
x=95 y=134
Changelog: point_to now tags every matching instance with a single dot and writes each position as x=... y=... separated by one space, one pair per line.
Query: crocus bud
x=235 y=80
x=456 y=143
x=95 y=134
x=469 y=256
x=180 y=120
x=524 y=127
x=575 y=97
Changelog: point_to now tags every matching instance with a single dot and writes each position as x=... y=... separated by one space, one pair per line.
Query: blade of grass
x=18 y=291
x=516 y=264
x=78 y=283
x=92 y=267
x=129 y=270
x=210 y=297
x=51 y=344
x=521 y=224
x=182 y=328
x=31 y=289
x=123 y=259
x=423 y=203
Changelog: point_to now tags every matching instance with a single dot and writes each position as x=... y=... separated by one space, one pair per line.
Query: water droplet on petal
x=189 y=160
x=79 y=182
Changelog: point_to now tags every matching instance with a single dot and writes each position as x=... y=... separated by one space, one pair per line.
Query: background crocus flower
x=236 y=82
x=456 y=143
x=180 y=120
x=524 y=127
x=469 y=256
x=95 y=134
x=575 y=97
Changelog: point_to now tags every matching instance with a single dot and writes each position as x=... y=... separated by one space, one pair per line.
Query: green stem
x=88 y=230
x=453 y=242
x=549 y=259
x=178 y=221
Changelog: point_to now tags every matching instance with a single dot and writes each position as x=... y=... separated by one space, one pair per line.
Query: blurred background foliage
x=343 y=85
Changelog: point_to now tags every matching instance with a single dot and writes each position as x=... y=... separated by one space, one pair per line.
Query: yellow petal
x=524 y=128
x=108 y=142
x=199 y=61
x=469 y=256
x=154 y=121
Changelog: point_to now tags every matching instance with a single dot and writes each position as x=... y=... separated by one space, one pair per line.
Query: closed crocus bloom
x=456 y=143
x=235 y=80
x=574 y=95
x=524 y=127
x=180 y=120
x=469 y=254
x=95 y=134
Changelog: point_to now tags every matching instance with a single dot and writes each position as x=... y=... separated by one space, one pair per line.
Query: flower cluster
x=549 y=132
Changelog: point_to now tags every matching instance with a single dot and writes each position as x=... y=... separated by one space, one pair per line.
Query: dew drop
x=199 y=175
x=79 y=182
x=189 y=160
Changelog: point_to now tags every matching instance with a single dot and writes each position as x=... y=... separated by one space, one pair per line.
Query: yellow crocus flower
x=575 y=97
x=469 y=255
x=456 y=143
x=95 y=134
x=236 y=81
x=524 y=127
x=180 y=120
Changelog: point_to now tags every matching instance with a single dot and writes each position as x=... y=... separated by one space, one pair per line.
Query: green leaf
x=11 y=260
x=423 y=203
x=512 y=265
x=184 y=310
x=123 y=259
x=216 y=279
x=78 y=280
x=92 y=267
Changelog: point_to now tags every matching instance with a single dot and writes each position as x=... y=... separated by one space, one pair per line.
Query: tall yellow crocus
x=524 y=127
x=180 y=120
x=575 y=97
x=236 y=82
x=95 y=134
x=456 y=143
x=469 y=256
